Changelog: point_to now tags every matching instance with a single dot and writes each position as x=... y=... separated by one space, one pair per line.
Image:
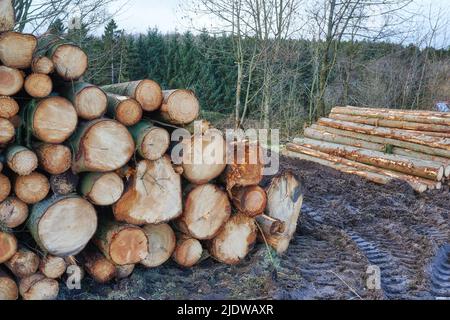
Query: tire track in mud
x=440 y=273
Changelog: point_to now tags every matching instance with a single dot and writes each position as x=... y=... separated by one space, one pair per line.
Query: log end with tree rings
x=32 y=188
x=16 y=49
x=70 y=61
x=8 y=107
x=38 y=85
x=7 y=16
x=128 y=112
x=62 y=226
x=102 y=189
x=53 y=119
x=13 y=212
x=9 y=290
x=180 y=106
x=97 y=266
x=188 y=251
x=161 y=241
x=8 y=246
x=54 y=158
x=5 y=187
x=21 y=160
x=155 y=143
x=42 y=65
x=23 y=263
x=38 y=287
x=11 y=81
x=90 y=102
x=250 y=200
x=52 y=267
x=7 y=131
x=206 y=210
x=149 y=94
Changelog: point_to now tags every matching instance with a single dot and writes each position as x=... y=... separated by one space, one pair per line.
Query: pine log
x=21 y=160
x=5 y=187
x=11 y=81
x=162 y=242
x=53 y=158
x=8 y=107
x=52 y=267
x=101 y=145
x=38 y=287
x=8 y=287
x=179 y=107
x=52 y=120
x=7 y=131
x=250 y=201
x=206 y=210
x=8 y=246
x=147 y=92
x=42 y=64
x=65 y=183
x=269 y=225
x=90 y=101
x=102 y=189
x=235 y=240
x=32 y=188
x=38 y=85
x=62 y=225
x=13 y=212
x=97 y=266
x=153 y=196
x=23 y=263
x=16 y=49
x=151 y=142
x=7 y=18
x=429 y=133
x=124 y=109
x=188 y=251
x=122 y=244
x=125 y=271
x=421 y=168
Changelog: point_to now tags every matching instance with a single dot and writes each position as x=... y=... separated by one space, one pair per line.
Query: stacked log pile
x=87 y=172
x=381 y=145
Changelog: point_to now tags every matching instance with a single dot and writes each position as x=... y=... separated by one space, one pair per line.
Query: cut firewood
x=97 y=266
x=235 y=240
x=151 y=142
x=206 y=210
x=38 y=85
x=7 y=17
x=8 y=107
x=38 y=287
x=147 y=92
x=153 y=196
x=250 y=200
x=102 y=189
x=101 y=145
x=188 y=251
x=121 y=243
x=8 y=246
x=11 y=81
x=53 y=158
x=124 y=109
x=179 y=107
x=8 y=287
x=62 y=225
x=125 y=271
x=5 y=187
x=52 y=267
x=7 y=131
x=13 y=212
x=162 y=242
x=32 y=188
x=16 y=49
x=65 y=183
x=269 y=225
x=21 y=160
x=23 y=263
x=42 y=64
x=90 y=101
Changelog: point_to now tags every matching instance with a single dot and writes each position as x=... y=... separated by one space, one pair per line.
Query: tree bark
x=21 y=160
x=151 y=142
x=250 y=201
x=52 y=267
x=124 y=109
x=90 y=101
x=5 y=188
x=7 y=131
x=42 y=64
x=38 y=287
x=179 y=107
x=97 y=266
x=53 y=158
x=7 y=18
x=162 y=242
x=16 y=49
x=23 y=263
x=9 y=290
x=8 y=246
x=63 y=184
x=12 y=81
x=38 y=85
x=32 y=188
x=102 y=189
x=13 y=212
x=8 y=107
x=188 y=251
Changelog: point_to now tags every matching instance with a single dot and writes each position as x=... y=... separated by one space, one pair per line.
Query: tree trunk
x=188 y=251
x=147 y=92
x=101 y=145
x=53 y=158
x=32 y=188
x=269 y=225
x=162 y=242
x=8 y=287
x=97 y=266
x=12 y=81
x=179 y=107
x=124 y=109
x=8 y=107
x=7 y=18
x=154 y=194
x=52 y=267
x=8 y=246
x=38 y=287
x=38 y=85
x=151 y=142
x=42 y=64
x=65 y=183
x=102 y=189
x=21 y=160
x=235 y=240
x=16 y=49
x=5 y=188
x=7 y=131
x=206 y=210
x=90 y=101
x=23 y=263
x=13 y=212
x=250 y=201
x=62 y=225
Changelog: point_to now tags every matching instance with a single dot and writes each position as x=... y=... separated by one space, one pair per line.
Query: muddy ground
x=347 y=225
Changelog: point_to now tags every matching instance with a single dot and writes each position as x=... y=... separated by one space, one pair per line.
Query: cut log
x=52 y=267
x=153 y=196
x=16 y=49
x=13 y=212
x=7 y=131
x=9 y=290
x=188 y=251
x=121 y=243
x=63 y=225
x=5 y=187
x=102 y=189
x=162 y=242
x=63 y=184
x=8 y=246
x=269 y=225
x=89 y=101
x=147 y=92
x=7 y=18
x=11 y=81
x=53 y=158
x=421 y=168
x=250 y=200
x=206 y=209
x=123 y=272
x=38 y=85
x=97 y=266
x=151 y=142
x=32 y=188
x=235 y=240
x=179 y=107
x=101 y=145
x=42 y=64
x=23 y=263
x=124 y=109
x=8 y=107
x=52 y=120
x=38 y=287
x=21 y=160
